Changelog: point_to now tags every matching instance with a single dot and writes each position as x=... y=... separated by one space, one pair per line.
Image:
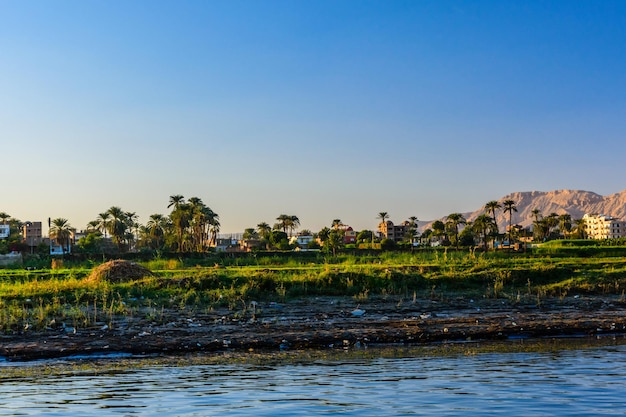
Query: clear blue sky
x=322 y=109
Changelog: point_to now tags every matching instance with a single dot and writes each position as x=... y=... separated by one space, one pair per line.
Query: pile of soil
x=118 y=271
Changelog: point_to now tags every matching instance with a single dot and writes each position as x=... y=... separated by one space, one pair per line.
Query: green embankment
x=36 y=299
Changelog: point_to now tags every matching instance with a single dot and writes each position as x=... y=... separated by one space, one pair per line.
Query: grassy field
x=41 y=298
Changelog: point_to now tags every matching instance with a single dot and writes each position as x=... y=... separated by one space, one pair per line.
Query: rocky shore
x=325 y=323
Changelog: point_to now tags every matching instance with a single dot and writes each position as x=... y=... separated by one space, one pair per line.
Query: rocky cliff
x=573 y=202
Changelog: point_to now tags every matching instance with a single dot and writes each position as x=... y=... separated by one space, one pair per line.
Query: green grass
x=35 y=299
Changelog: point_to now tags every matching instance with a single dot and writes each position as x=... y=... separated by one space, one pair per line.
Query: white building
x=599 y=226
x=5 y=231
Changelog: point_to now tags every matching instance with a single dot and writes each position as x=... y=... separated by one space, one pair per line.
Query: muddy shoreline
x=325 y=323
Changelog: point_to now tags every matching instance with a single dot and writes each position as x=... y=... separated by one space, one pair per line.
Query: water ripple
x=579 y=382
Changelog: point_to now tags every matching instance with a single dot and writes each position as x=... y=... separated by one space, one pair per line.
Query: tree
x=411 y=231
x=467 y=237
x=508 y=206
x=92 y=243
x=250 y=234
x=453 y=221
x=117 y=226
x=484 y=225
x=365 y=236
x=155 y=227
x=61 y=231
x=336 y=224
x=439 y=230
x=580 y=229
x=323 y=234
x=103 y=222
x=287 y=222
x=279 y=240
x=264 y=230
x=283 y=222
x=536 y=214
x=214 y=230
x=4 y=217
x=181 y=219
x=201 y=221
x=565 y=224
x=334 y=241
x=132 y=226
x=294 y=223
x=176 y=200
x=551 y=222
x=491 y=207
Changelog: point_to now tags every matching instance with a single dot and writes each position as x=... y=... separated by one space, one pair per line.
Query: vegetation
x=48 y=297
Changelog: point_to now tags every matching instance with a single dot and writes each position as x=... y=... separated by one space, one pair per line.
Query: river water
x=570 y=382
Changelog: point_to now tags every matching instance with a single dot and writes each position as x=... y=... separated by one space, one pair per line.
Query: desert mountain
x=573 y=202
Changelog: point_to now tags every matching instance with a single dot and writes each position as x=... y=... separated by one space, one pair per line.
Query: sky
x=325 y=109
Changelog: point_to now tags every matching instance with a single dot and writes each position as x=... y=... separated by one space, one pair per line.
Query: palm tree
x=250 y=234
x=132 y=225
x=509 y=207
x=412 y=230
x=283 y=222
x=103 y=222
x=323 y=234
x=118 y=226
x=212 y=224
x=536 y=213
x=156 y=227
x=383 y=216
x=199 y=223
x=491 y=207
x=439 y=230
x=485 y=226
x=336 y=224
x=453 y=221
x=565 y=224
x=580 y=228
x=4 y=217
x=264 y=230
x=92 y=226
x=551 y=222
x=214 y=229
x=181 y=219
x=176 y=200
x=61 y=231
x=294 y=222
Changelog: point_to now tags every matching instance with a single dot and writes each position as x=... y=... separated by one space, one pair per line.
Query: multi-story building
x=349 y=235
x=600 y=226
x=31 y=233
x=387 y=230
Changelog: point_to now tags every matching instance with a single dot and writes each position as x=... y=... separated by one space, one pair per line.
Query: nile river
x=586 y=381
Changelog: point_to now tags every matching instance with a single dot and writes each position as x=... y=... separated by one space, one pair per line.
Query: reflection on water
x=581 y=382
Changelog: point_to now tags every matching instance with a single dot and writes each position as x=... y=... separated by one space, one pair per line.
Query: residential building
x=31 y=233
x=5 y=231
x=349 y=235
x=387 y=230
x=600 y=226
x=227 y=244
x=302 y=241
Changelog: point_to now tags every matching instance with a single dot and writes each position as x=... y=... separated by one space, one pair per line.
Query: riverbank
x=324 y=323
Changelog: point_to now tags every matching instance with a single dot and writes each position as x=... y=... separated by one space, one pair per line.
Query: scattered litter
x=357 y=312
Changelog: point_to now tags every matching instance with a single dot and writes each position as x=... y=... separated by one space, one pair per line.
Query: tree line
x=192 y=226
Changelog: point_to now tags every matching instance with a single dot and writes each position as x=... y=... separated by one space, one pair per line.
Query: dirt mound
x=118 y=271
